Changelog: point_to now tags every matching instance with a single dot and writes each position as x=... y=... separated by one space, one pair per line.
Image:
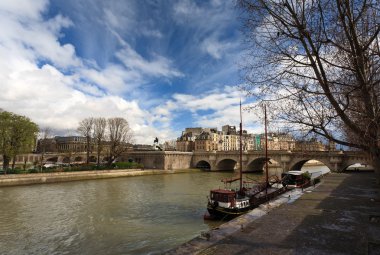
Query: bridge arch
x=256 y=165
x=78 y=159
x=226 y=165
x=66 y=160
x=203 y=164
x=358 y=166
x=52 y=159
x=298 y=164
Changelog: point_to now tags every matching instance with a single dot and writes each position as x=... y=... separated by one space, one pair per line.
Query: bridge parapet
x=220 y=160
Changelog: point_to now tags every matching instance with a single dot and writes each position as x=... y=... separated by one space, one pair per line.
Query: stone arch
x=78 y=159
x=52 y=159
x=358 y=166
x=256 y=165
x=298 y=164
x=203 y=164
x=226 y=165
x=66 y=160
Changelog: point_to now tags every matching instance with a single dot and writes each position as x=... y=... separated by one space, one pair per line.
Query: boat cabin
x=294 y=179
x=222 y=195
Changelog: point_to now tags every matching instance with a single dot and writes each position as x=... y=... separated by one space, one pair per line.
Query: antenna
x=241 y=148
x=266 y=149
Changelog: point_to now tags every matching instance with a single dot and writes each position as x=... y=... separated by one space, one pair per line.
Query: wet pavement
x=339 y=216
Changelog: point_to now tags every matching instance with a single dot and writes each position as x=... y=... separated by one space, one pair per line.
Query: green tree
x=316 y=63
x=17 y=135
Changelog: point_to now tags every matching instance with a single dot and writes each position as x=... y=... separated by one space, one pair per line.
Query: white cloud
x=47 y=81
x=35 y=39
x=215 y=100
x=23 y=8
x=217 y=48
x=114 y=78
x=34 y=81
x=159 y=66
x=186 y=9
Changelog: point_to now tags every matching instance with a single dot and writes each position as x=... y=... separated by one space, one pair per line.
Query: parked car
x=49 y=165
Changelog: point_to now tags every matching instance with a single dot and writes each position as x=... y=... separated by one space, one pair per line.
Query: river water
x=135 y=215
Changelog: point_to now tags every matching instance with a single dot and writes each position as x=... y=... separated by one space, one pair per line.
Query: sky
x=162 y=65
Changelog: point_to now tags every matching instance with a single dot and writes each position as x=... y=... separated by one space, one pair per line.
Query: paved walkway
x=341 y=216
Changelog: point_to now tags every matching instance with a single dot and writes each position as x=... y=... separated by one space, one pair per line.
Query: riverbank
x=339 y=216
x=43 y=178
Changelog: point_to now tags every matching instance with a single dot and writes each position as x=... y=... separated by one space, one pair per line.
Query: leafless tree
x=316 y=63
x=85 y=128
x=45 y=134
x=100 y=125
x=119 y=136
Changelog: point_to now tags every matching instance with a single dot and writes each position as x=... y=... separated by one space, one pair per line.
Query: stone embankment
x=339 y=216
x=41 y=178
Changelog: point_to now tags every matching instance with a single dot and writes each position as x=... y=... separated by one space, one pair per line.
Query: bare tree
x=318 y=63
x=45 y=134
x=100 y=125
x=119 y=135
x=85 y=128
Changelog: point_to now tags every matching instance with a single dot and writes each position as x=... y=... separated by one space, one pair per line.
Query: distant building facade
x=228 y=139
x=310 y=145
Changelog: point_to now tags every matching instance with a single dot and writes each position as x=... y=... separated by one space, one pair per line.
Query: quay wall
x=43 y=178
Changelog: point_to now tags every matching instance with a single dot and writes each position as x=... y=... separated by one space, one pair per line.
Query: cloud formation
x=111 y=59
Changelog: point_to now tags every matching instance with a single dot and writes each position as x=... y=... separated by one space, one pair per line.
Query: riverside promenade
x=43 y=178
x=339 y=216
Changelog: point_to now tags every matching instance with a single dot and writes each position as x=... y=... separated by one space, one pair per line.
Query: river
x=135 y=215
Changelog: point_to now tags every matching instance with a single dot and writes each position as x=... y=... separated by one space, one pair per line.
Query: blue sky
x=162 y=65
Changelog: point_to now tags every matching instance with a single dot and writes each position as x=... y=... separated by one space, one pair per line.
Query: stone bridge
x=218 y=160
x=288 y=160
x=56 y=158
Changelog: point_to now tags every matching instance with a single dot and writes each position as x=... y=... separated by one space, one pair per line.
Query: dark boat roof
x=229 y=180
x=223 y=191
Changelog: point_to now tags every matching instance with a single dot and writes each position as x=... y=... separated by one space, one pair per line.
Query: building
x=310 y=145
x=186 y=142
x=63 y=144
x=276 y=141
x=229 y=140
x=229 y=130
x=207 y=141
x=72 y=144
x=68 y=144
x=210 y=139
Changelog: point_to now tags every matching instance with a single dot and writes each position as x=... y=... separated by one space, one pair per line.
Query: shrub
x=32 y=171
x=127 y=165
x=306 y=176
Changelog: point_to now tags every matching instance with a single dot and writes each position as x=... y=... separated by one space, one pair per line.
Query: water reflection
x=139 y=215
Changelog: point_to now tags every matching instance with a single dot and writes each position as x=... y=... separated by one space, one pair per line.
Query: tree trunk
x=98 y=156
x=375 y=156
x=88 y=150
x=110 y=160
x=13 y=162
x=42 y=160
x=6 y=160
